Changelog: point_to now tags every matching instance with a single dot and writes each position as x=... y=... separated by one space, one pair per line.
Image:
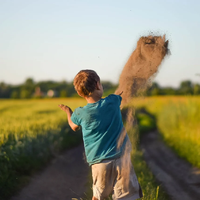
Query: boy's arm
x=69 y=112
x=118 y=93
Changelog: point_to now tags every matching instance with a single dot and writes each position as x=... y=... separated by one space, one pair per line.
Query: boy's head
x=85 y=82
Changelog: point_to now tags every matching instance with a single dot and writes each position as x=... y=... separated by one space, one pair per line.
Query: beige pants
x=115 y=177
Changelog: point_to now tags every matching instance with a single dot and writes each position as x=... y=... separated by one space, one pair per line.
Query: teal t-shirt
x=101 y=124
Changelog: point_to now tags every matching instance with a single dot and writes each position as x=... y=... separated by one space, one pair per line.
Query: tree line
x=185 y=88
x=49 y=89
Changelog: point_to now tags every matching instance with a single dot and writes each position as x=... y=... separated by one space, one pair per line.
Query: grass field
x=31 y=131
x=178 y=121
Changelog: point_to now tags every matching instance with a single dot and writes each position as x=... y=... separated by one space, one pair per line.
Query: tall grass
x=180 y=125
x=178 y=120
x=30 y=117
x=31 y=132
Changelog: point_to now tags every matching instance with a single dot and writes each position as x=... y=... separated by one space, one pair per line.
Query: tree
x=108 y=87
x=25 y=94
x=196 y=89
x=168 y=91
x=4 y=90
x=29 y=82
x=154 y=89
x=186 y=87
x=27 y=89
x=14 y=94
x=63 y=93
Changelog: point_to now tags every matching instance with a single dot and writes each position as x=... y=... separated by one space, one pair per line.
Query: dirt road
x=65 y=178
x=180 y=180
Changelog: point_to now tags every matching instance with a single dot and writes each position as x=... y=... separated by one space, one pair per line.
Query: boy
x=107 y=146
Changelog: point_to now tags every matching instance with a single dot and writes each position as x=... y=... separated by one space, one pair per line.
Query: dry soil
x=65 y=178
x=180 y=179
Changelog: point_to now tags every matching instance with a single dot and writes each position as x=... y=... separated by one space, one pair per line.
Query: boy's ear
x=98 y=86
x=79 y=94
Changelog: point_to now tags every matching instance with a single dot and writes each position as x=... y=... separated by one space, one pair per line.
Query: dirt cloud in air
x=142 y=66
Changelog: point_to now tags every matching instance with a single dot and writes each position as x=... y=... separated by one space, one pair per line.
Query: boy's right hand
x=64 y=108
x=69 y=114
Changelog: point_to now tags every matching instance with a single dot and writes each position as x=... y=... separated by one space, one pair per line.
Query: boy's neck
x=94 y=97
x=96 y=94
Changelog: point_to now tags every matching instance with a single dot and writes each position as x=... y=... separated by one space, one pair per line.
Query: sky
x=55 y=39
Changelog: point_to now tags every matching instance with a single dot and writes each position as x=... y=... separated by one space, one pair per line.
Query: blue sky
x=53 y=40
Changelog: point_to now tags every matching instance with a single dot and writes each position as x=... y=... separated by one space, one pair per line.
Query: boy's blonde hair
x=85 y=82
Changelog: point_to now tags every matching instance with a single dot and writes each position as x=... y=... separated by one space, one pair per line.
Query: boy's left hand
x=120 y=93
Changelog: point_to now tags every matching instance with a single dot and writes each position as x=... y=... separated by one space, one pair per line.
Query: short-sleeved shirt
x=101 y=124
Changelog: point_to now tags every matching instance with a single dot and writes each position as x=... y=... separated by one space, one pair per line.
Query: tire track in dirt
x=65 y=178
x=180 y=180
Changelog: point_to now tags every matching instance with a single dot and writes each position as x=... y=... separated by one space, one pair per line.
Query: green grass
x=150 y=187
x=178 y=121
x=31 y=132
x=145 y=121
x=180 y=127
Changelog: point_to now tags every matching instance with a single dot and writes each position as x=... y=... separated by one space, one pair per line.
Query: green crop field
x=22 y=118
x=31 y=131
x=178 y=120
